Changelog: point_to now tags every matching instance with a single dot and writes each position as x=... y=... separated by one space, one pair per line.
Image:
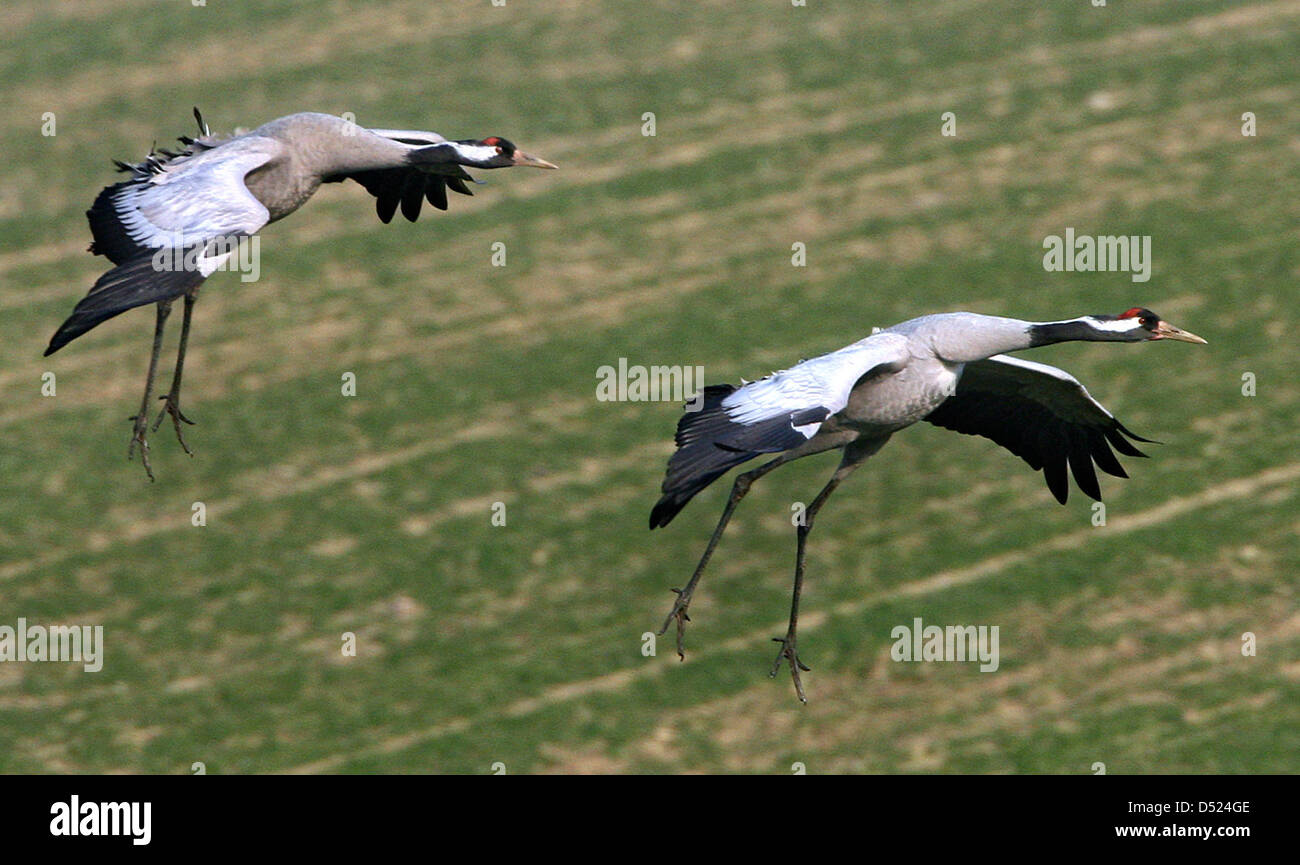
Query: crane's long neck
x=358 y=149
x=324 y=145
x=965 y=337
x=1087 y=328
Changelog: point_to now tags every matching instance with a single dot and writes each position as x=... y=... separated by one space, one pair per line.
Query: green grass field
x=521 y=644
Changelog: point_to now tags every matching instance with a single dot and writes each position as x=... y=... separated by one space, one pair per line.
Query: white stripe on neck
x=475 y=152
x=1118 y=325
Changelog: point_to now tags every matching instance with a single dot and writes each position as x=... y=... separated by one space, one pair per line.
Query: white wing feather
x=199 y=198
x=411 y=136
x=824 y=381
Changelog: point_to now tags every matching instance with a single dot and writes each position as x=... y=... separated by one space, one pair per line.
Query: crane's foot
x=139 y=436
x=178 y=417
x=788 y=653
x=679 y=616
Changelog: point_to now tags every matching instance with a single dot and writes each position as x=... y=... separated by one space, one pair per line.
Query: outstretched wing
x=731 y=425
x=1042 y=415
x=193 y=209
x=787 y=408
x=174 y=203
x=412 y=186
x=416 y=137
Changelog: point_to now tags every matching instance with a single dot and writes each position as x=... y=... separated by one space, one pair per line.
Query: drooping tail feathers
x=700 y=458
x=126 y=286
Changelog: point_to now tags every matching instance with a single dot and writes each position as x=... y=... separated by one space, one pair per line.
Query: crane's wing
x=730 y=425
x=418 y=137
x=412 y=186
x=181 y=201
x=787 y=408
x=175 y=222
x=1042 y=415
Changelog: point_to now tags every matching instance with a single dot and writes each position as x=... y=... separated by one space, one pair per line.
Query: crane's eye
x=1146 y=321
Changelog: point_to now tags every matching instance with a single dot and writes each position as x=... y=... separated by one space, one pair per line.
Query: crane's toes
x=178 y=417
x=139 y=437
x=788 y=653
x=678 y=615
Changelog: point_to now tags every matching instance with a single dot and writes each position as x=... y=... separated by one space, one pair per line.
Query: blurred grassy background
x=521 y=644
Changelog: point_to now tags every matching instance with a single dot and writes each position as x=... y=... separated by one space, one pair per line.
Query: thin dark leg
x=789 y=649
x=173 y=396
x=142 y=419
x=738 y=491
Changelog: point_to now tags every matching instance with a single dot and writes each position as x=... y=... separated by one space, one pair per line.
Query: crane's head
x=1140 y=324
x=496 y=152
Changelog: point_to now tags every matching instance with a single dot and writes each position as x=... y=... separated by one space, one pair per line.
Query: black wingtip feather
x=1056 y=477
x=1081 y=466
x=135 y=283
x=1122 y=444
x=1032 y=431
x=1128 y=432
x=111 y=238
x=404 y=187
x=1103 y=456
x=436 y=193
x=412 y=197
x=698 y=460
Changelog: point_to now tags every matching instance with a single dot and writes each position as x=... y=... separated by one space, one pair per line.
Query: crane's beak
x=1165 y=330
x=527 y=159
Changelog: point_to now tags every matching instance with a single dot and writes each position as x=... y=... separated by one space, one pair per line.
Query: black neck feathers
x=1064 y=331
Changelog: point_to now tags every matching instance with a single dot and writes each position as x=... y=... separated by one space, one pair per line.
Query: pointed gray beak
x=1165 y=330
x=530 y=161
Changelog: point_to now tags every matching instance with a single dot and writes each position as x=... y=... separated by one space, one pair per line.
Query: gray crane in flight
x=182 y=214
x=949 y=370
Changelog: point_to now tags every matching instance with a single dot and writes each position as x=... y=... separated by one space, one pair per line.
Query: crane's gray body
x=883 y=403
x=856 y=398
x=948 y=369
x=938 y=347
x=311 y=147
x=183 y=215
x=293 y=155
x=215 y=192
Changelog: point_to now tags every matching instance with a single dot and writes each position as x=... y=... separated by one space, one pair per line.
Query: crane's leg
x=138 y=434
x=738 y=491
x=854 y=455
x=173 y=395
